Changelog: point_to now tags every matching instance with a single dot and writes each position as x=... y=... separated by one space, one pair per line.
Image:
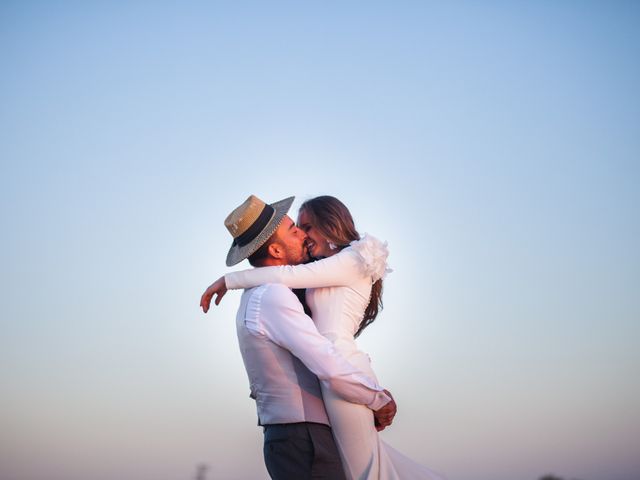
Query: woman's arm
x=340 y=269
x=216 y=288
x=366 y=257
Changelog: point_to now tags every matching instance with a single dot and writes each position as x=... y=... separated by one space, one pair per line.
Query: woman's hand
x=219 y=288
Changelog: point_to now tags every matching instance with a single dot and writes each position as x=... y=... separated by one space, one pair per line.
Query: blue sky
x=495 y=146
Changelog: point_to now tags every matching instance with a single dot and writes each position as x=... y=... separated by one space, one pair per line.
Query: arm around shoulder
x=338 y=270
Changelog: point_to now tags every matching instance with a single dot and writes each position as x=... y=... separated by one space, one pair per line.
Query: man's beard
x=306 y=256
x=298 y=257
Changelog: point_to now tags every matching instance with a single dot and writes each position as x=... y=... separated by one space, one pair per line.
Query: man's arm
x=274 y=311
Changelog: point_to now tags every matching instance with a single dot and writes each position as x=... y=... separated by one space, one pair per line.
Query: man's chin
x=306 y=255
x=310 y=256
x=302 y=258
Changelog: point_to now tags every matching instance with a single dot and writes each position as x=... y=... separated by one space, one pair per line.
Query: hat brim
x=239 y=253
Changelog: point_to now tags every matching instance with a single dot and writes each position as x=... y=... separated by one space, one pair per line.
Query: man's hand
x=219 y=288
x=383 y=417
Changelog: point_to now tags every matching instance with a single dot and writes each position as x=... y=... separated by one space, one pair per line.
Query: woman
x=344 y=293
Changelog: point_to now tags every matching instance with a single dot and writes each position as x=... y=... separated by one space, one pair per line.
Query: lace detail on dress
x=373 y=254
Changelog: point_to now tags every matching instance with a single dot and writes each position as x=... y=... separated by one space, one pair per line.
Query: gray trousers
x=300 y=451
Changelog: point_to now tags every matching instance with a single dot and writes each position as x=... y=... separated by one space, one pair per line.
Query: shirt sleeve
x=274 y=311
x=338 y=270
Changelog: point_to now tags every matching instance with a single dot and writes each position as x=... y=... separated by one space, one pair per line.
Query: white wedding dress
x=338 y=291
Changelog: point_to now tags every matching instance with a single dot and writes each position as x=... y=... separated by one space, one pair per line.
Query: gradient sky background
x=495 y=145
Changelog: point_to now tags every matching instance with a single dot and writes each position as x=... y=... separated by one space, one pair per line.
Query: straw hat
x=252 y=224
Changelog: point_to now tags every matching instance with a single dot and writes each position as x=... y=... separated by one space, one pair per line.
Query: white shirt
x=273 y=312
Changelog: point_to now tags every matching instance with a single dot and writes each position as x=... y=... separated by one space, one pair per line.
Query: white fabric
x=373 y=255
x=284 y=389
x=338 y=292
x=274 y=313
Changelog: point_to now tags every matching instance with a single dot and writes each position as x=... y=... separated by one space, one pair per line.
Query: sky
x=495 y=145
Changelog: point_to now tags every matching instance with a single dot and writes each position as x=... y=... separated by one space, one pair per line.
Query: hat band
x=256 y=227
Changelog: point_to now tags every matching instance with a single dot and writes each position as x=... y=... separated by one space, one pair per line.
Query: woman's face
x=317 y=244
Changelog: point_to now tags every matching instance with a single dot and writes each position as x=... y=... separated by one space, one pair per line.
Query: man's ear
x=276 y=250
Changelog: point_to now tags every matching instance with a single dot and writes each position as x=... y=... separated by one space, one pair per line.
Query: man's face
x=292 y=240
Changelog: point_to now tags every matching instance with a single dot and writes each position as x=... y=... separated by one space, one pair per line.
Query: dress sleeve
x=366 y=257
x=276 y=313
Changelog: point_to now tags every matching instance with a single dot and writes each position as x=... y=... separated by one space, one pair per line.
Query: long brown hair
x=334 y=221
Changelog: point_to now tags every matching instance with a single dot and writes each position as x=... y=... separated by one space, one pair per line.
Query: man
x=281 y=347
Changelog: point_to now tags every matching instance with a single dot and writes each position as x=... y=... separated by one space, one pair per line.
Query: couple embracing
x=317 y=397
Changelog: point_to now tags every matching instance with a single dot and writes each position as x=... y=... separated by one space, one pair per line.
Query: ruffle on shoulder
x=373 y=254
